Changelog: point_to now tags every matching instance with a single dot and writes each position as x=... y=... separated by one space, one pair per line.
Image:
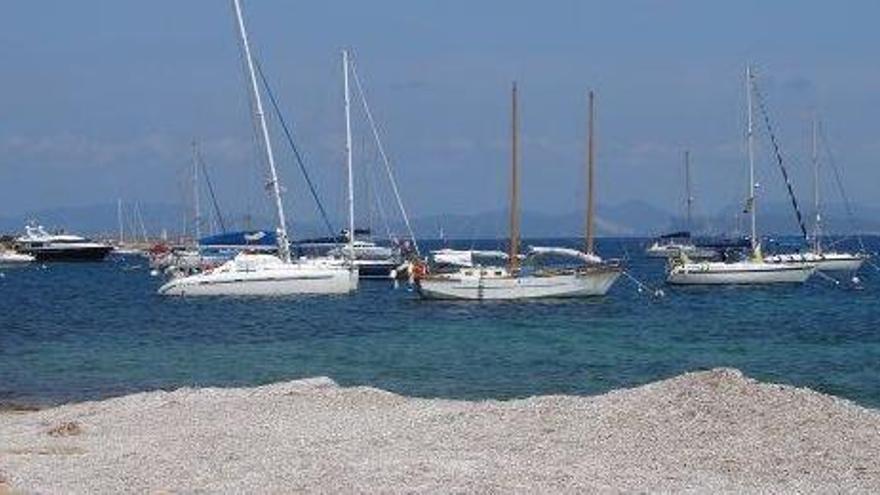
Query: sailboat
x=677 y=243
x=374 y=261
x=267 y=274
x=753 y=270
x=122 y=248
x=479 y=282
x=823 y=260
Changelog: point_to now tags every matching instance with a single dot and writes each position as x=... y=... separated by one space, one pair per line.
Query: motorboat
x=44 y=246
x=10 y=257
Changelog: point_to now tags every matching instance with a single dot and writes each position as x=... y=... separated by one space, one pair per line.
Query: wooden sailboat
x=267 y=274
x=478 y=282
x=823 y=260
x=755 y=269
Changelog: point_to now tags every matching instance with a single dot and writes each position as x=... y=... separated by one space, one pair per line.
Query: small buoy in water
x=659 y=293
x=2 y=275
x=640 y=290
x=856 y=280
x=43 y=266
x=154 y=273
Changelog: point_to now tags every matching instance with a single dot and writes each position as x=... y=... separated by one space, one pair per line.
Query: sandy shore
x=705 y=431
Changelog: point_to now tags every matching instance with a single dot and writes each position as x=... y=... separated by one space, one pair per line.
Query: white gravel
x=700 y=432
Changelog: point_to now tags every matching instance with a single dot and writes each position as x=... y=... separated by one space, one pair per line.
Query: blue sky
x=100 y=99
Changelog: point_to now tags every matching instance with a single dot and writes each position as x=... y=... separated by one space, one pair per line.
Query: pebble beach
x=708 y=431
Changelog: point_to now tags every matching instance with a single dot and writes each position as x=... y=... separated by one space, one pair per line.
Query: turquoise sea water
x=84 y=331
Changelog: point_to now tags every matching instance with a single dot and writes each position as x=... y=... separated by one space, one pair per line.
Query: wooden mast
x=513 y=261
x=590 y=178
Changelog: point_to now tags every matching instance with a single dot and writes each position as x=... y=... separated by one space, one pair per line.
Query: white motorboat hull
x=238 y=278
x=14 y=259
x=593 y=283
x=716 y=273
x=825 y=262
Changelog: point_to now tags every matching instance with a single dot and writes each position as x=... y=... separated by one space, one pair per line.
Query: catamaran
x=270 y=274
x=753 y=270
x=482 y=282
x=824 y=260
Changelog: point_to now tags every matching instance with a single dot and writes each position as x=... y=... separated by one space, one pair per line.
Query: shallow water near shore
x=71 y=332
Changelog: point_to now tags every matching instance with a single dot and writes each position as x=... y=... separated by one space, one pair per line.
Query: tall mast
x=817 y=232
x=283 y=244
x=348 y=157
x=119 y=219
x=689 y=200
x=590 y=175
x=751 y=147
x=513 y=262
x=197 y=227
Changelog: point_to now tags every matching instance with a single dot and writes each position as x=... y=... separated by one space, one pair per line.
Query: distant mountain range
x=630 y=219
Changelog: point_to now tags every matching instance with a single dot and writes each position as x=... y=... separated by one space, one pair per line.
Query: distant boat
x=260 y=274
x=824 y=260
x=9 y=257
x=59 y=247
x=754 y=270
x=677 y=243
x=122 y=248
x=483 y=282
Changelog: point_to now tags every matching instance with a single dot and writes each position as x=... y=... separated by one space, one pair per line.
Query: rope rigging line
x=204 y=168
x=823 y=138
x=299 y=160
x=385 y=160
x=779 y=160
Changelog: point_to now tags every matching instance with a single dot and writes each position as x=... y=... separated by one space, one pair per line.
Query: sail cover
x=460 y=257
x=560 y=251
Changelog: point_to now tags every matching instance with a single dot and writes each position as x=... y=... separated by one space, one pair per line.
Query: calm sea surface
x=84 y=331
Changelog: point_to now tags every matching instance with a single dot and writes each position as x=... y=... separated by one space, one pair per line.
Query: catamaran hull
x=263 y=284
x=512 y=288
x=780 y=275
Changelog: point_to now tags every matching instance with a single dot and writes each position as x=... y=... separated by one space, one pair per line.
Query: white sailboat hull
x=717 y=273
x=586 y=284
x=824 y=262
x=237 y=277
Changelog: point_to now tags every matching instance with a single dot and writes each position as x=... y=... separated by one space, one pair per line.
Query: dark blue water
x=83 y=331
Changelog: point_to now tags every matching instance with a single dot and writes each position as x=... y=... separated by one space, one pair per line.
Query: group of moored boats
x=267 y=263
